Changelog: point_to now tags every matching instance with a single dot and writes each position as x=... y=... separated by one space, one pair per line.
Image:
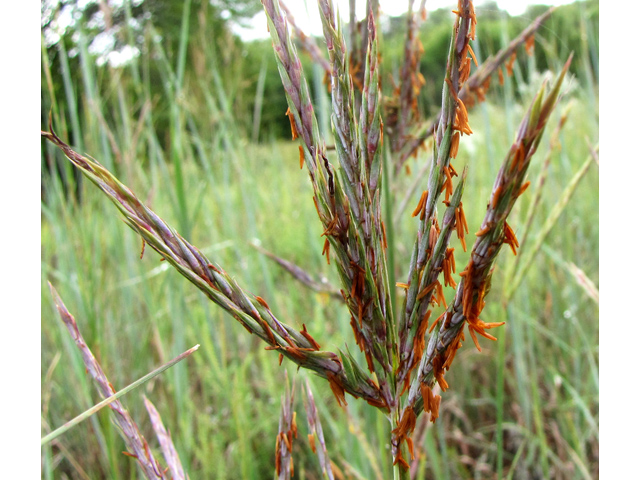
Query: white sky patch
x=118 y=58
x=307 y=16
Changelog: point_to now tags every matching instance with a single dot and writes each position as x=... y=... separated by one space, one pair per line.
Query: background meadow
x=194 y=123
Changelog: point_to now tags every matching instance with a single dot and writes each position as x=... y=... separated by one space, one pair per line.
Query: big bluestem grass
x=406 y=352
x=377 y=329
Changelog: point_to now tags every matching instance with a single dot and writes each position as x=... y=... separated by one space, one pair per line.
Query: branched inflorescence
x=494 y=232
x=355 y=231
x=405 y=357
x=252 y=312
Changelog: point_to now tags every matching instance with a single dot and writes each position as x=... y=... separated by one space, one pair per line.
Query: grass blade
x=83 y=416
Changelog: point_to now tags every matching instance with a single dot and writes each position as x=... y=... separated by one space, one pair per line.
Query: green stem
x=500 y=398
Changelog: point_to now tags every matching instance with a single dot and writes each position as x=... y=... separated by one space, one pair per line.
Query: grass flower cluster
x=407 y=348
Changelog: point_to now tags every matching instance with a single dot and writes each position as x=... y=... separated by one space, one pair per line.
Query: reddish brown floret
x=433 y=234
x=326 y=249
x=482 y=232
x=523 y=188
x=495 y=196
x=407 y=424
x=509 y=64
x=289 y=341
x=439 y=297
x=449 y=267
x=295 y=352
x=357 y=286
x=426 y=290
x=463 y=218
x=529 y=44
x=378 y=403
x=473 y=55
x=474 y=338
x=407 y=384
x=286 y=440
x=510 y=238
x=461 y=226
x=462 y=119
x=426 y=397
x=336 y=388
x=474 y=22
x=452 y=90
x=262 y=302
x=421 y=204
x=438 y=373
x=422 y=328
x=292 y=121
x=433 y=325
x=311 y=340
x=455 y=143
x=400 y=459
x=267 y=331
x=431 y=402
x=384 y=235
x=518 y=158
x=465 y=70
x=356 y=333
x=447 y=185
x=453 y=347
x=435 y=408
x=410 y=447
x=367 y=356
x=278 y=460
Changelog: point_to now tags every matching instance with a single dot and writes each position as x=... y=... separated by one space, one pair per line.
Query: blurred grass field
x=537 y=385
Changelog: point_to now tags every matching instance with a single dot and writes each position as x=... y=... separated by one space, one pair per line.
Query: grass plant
x=399 y=338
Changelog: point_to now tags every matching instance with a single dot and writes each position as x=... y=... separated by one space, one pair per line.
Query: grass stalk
x=500 y=383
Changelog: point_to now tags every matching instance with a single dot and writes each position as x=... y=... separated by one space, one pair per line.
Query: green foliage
x=240 y=65
x=258 y=55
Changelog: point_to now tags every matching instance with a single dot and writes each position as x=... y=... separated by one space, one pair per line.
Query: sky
x=308 y=19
